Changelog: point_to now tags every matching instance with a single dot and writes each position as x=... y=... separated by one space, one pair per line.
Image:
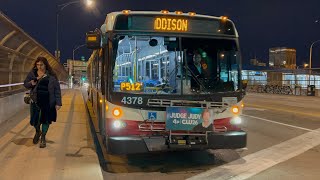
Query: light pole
x=73 y=61
x=76 y=48
x=59 y=8
x=310 y=58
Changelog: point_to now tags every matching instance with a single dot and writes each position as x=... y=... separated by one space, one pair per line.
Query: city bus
x=166 y=81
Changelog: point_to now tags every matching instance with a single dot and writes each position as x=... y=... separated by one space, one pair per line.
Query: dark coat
x=48 y=96
x=53 y=86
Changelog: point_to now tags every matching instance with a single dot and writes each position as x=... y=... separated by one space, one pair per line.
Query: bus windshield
x=175 y=65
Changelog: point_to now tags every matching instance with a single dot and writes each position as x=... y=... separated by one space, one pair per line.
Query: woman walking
x=46 y=98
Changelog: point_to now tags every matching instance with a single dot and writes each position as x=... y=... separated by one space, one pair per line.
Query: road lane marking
x=255 y=163
x=275 y=122
x=254 y=109
x=317 y=115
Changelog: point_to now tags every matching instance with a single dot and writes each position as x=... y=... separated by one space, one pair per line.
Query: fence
x=282 y=87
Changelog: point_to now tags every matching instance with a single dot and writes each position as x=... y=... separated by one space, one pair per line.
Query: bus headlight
x=119 y=124
x=236 y=120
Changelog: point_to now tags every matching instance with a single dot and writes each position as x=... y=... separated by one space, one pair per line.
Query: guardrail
x=10 y=85
x=18 y=51
x=297 y=90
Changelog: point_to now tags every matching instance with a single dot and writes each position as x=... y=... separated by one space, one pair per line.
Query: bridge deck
x=69 y=154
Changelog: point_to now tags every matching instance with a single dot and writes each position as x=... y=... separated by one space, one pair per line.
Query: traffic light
x=82 y=58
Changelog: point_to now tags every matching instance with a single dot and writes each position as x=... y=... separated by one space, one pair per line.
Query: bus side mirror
x=93 y=40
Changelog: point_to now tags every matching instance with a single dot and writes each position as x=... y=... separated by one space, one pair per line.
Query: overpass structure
x=18 y=51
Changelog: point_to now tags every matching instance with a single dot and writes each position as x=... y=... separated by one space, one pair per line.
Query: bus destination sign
x=174 y=24
x=171 y=24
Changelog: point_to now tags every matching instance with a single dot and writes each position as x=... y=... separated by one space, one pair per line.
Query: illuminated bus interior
x=158 y=65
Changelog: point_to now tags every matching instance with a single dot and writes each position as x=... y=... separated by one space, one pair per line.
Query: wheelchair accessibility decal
x=152 y=116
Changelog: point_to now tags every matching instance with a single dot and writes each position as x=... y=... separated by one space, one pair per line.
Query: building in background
x=256 y=62
x=77 y=71
x=282 y=57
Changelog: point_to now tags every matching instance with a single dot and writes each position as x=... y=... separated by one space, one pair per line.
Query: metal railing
x=282 y=87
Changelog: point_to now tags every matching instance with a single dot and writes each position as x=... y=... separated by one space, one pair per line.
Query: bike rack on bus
x=151 y=126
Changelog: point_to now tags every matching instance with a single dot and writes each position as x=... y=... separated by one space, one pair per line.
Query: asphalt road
x=283 y=143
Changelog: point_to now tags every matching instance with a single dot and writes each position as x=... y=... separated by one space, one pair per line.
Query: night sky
x=261 y=24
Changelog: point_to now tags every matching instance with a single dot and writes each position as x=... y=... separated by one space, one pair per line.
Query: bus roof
x=111 y=17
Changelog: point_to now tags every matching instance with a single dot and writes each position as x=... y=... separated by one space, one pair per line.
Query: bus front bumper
x=136 y=144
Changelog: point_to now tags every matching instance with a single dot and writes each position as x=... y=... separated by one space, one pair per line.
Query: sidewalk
x=69 y=154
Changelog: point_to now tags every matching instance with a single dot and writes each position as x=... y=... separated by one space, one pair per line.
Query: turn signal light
x=117 y=112
x=235 y=110
x=242 y=104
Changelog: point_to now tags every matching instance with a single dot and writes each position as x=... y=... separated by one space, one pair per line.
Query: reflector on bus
x=192 y=13
x=179 y=12
x=164 y=11
x=126 y=11
x=224 y=18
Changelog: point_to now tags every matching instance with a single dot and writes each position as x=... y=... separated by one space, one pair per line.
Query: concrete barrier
x=11 y=105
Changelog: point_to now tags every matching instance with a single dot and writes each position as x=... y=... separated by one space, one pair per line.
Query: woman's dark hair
x=45 y=62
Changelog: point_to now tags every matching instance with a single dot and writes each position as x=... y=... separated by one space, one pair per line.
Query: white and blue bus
x=166 y=81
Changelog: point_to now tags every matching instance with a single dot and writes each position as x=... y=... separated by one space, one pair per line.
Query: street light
x=310 y=60
x=76 y=48
x=60 y=7
x=73 y=60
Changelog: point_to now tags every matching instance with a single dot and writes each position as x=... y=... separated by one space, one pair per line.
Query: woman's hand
x=58 y=107
x=33 y=82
